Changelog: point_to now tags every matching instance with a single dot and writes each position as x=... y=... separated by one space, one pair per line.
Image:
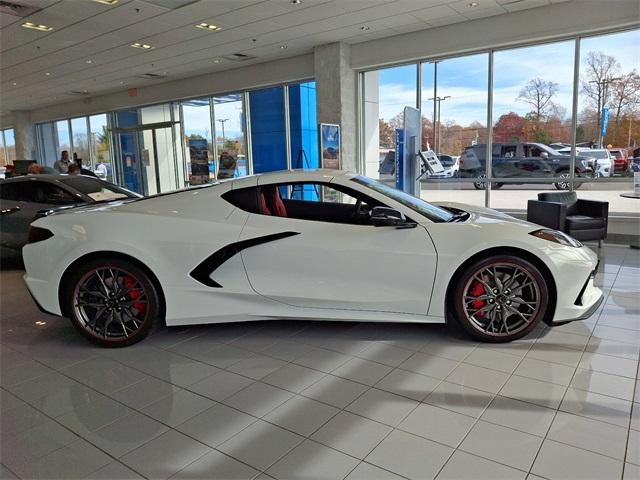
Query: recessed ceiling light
x=283 y=47
x=89 y=61
x=473 y=4
x=365 y=28
x=216 y=60
x=36 y=26
x=48 y=74
x=143 y=46
x=295 y=2
x=14 y=84
x=208 y=27
x=106 y=2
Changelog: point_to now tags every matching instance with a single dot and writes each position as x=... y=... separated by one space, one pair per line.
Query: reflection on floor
x=325 y=400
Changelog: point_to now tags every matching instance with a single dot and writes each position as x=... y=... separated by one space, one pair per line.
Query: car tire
x=112 y=302
x=482 y=183
x=518 y=306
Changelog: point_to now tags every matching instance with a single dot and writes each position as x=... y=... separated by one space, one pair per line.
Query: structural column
x=336 y=88
x=25 y=135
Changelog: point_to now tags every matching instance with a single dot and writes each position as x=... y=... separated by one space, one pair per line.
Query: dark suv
x=521 y=160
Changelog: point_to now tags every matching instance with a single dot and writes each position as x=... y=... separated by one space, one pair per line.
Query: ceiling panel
x=86 y=30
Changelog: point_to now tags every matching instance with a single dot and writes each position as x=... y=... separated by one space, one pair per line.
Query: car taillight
x=37 y=234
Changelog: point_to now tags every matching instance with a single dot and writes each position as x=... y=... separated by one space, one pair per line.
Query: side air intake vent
x=238 y=57
x=17 y=9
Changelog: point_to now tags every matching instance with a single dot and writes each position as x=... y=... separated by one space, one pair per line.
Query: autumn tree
x=625 y=97
x=387 y=134
x=599 y=71
x=510 y=127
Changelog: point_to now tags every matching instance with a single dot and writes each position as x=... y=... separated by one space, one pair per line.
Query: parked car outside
x=451 y=165
x=602 y=163
x=522 y=160
x=22 y=198
x=620 y=160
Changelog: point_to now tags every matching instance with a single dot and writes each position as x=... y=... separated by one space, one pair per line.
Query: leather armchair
x=578 y=218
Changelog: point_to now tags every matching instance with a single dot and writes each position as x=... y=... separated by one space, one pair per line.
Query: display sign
x=431 y=162
x=636 y=183
x=412 y=141
x=330 y=146
x=199 y=157
x=399 y=158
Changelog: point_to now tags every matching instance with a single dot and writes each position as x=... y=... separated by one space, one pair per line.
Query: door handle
x=7 y=211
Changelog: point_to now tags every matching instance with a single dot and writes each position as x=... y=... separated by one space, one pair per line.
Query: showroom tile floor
x=314 y=400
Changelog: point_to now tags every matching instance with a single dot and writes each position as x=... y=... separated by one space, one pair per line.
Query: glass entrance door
x=149 y=161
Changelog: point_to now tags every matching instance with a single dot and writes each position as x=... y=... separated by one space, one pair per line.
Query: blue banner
x=605 y=120
x=399 y=158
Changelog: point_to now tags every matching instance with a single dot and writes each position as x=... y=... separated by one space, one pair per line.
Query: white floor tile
x=366 y=471
x=165 y=455
x=362 y=371
x=294 y=378
x=383 y=407
x=352 y=434
x=631 y=472
x=479 y=378
x=557 y=460
x=313 y=460
x=596 y=406
x=256 y=366
x=258 y=399
x=323 y=360
x=301 y=415
x=408 y=384
x=177 y=407
x=608 y=364
x=458 y=398
x=605 y=384
x=335 y=391
x=434 y=423
x=216 y=465
x=503 y=445
x=410 y=456
x=463 y=466
x=523 y=416
x=493 y=359
x=430 y=365
x=144 y=393
x=261 y=444
x=588 y=434
x=216 y=425
x=385 y=353
x=545 y=371
x=114 y=471
x=529 y=390
x=633 y=447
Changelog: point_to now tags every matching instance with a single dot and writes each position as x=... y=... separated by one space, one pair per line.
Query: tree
x=599 y=70
x=196 y=136
x=539 y=94
x=387 y=134
x=510 y=127
x=625 y=94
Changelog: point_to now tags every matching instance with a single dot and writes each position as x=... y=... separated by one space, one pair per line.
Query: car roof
x=294 y=175
x=44 y=177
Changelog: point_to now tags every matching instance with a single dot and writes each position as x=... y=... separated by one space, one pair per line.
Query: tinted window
x=96 y=189
x=9 y=191
x=446 y=160
x=34 y=191
x=432 y=212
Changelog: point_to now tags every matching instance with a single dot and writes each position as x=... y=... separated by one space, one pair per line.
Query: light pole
x=222 y=121
x=438 y=100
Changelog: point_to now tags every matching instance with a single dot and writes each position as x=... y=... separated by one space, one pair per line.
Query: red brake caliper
x=128 y=283
x=476 y=290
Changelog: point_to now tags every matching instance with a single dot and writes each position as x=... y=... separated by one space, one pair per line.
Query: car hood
x=482 y=215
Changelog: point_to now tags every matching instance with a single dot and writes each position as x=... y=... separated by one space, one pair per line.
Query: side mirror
x=544 y=155
x=387 y=217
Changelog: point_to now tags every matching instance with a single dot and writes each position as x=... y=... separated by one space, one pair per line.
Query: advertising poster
x=330 y=146
x=199 y=157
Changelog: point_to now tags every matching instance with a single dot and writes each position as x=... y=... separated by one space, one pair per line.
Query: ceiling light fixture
x=14 y=84
x=295 y=2
x=89 y=61
x=283 y=47
x=143 y=46
x=48 y=74
x=106 y=2
x=473 y=4
x=36 y=26
x=208 y=27
x=216 y=60
x=364 y=28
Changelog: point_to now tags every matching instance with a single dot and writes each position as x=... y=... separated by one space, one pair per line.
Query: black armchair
x=580 y=219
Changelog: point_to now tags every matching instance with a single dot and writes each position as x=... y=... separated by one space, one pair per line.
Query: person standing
x=62 y=165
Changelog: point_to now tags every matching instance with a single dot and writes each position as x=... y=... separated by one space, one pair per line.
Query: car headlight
x=557 y=237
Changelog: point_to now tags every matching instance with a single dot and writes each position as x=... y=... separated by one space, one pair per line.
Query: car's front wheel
x=112 y=302
x=500 y=298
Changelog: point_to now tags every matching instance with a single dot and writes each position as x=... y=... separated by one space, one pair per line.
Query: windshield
x=446 y=160
x=598 y=153
x=432 y=212
x=97 y=190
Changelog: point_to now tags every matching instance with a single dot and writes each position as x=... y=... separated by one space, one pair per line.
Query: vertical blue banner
x=604 y=121
x=399 y=158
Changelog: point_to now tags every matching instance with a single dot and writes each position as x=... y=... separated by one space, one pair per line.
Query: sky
x=465 y=79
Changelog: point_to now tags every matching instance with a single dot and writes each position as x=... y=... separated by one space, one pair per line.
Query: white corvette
x=303 y=245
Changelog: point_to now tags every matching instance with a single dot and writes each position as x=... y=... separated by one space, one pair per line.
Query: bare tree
x=599 y=72
x=539 y=94
x=625 y=96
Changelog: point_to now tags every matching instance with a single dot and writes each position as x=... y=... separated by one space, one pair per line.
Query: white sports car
x=322 y=245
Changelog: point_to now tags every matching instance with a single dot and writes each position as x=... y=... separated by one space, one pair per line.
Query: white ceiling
x=89 y=47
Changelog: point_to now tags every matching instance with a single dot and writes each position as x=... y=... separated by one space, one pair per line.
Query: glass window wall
x=230 y=134
x=7 y=146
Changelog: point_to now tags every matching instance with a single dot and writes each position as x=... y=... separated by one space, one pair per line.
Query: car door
x=322 y=255
x=21 y=201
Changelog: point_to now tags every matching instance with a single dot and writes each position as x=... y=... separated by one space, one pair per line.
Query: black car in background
x=521 y=161
x=24 y=198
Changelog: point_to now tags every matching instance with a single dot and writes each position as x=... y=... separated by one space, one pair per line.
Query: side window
x=55 y=195
x=244 y=198
x=510 y=151
x=9 y=191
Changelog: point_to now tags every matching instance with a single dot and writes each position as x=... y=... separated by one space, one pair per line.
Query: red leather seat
x=273 y=202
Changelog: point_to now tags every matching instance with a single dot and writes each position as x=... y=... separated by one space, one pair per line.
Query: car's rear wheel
x=481 y=184
x=500 y=298
x=112 y=302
